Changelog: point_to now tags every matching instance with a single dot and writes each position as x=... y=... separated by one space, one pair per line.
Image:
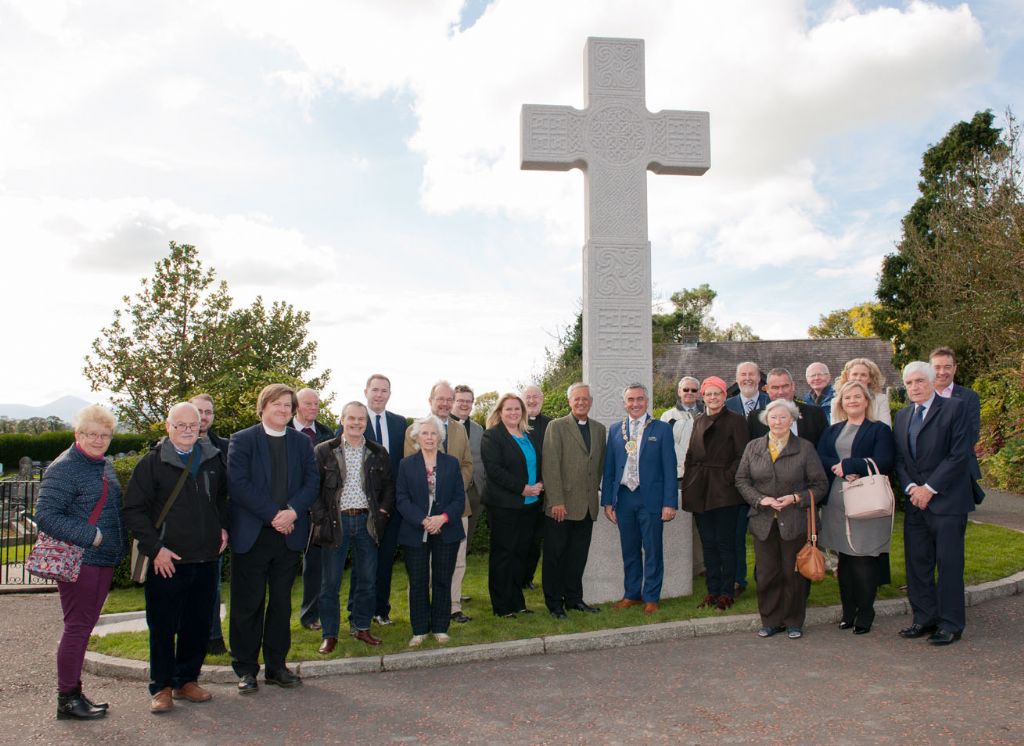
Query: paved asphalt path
x=829 y=687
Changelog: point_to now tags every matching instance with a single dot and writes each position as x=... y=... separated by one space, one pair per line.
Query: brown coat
x=716 y=447
x=797 y=470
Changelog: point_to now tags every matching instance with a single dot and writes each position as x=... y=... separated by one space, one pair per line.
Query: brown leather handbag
x=810 y=561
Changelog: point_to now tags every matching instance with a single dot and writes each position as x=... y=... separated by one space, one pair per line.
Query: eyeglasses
x=689 y=391
x=186 y=426
x=97 y=436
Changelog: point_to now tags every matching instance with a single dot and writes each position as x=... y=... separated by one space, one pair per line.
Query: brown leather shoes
x=161 y=701
x=192 y=692
x=626 y=603
x=651 y=608
x=364 y=635
x=328 y=645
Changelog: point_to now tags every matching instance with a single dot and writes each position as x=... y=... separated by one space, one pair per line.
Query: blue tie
x=916 y=423
x=377 y=431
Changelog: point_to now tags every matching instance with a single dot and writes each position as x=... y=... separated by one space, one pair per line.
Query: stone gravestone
x=24 y=468
x=614 y=140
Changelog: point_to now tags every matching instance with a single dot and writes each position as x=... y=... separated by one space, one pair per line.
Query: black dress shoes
x=584 y=607
x=461 y=618
x=845 y=625
x=861 y=630
x=918 y=630
x=942 y=637
x=247 y=684
x=559 y=614
x=283 y=678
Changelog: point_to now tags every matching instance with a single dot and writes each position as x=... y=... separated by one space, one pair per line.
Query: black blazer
x=396 y=436
x=973 y=404
x=943 y=456
x=536 y=436
x=810 y=426
x=873 y=440
x=412 y=498
x=506 y=468
x=322 y=432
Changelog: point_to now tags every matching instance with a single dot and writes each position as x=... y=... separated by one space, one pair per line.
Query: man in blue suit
x=639 y=493
x=943 y=360
x=933 y=446
x=272 y=482
x=388 y=429
x=750 y=399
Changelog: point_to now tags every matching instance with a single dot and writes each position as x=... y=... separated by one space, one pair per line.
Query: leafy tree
x=906 y=297
x=845 y=322
x=691 y=319
x=179 y=335
x=482 y=407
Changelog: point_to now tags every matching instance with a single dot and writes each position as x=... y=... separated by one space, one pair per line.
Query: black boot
x=72 y=706
x=94 y=705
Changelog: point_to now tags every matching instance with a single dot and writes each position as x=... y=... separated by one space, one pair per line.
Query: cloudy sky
x=360 y=160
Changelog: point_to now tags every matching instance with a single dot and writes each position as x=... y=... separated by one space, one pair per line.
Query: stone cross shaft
x=614 y=140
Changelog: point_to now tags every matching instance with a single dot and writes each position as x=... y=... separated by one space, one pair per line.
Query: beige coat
x=572 y=476
x=458 y=447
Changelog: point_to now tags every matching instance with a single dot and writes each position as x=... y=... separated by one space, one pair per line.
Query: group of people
x=303 y=493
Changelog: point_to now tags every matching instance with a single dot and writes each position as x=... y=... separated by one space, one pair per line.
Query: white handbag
x=870 y=496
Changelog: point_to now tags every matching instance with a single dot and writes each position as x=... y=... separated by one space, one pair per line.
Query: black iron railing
x=17 y=532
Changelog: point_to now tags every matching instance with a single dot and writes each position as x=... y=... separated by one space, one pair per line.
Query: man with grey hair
x=639 y=492
x=681 y=418
x=812 y=422
x=176 y=507
x=306 y=412
x=933 y=448
x=574 y=446
x=820 y=392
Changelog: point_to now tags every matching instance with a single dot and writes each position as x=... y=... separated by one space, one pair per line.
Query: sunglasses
x=690 y=391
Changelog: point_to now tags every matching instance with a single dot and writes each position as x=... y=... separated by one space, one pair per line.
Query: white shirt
x=385 y=440
x=634 y=426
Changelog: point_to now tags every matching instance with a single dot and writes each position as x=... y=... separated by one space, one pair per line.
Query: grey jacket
x=796 y=470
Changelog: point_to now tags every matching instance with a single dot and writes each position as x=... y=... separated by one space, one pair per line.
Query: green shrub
x=47 y=446
x=1005 y=469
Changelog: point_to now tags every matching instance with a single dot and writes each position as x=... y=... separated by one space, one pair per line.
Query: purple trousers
x=81 y=602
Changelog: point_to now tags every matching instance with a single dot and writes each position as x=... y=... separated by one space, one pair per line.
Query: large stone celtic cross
x=614 y=141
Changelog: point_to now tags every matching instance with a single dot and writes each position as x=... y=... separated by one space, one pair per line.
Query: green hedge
x=47 y=446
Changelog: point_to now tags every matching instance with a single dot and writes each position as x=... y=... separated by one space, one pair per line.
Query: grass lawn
x=992 y=552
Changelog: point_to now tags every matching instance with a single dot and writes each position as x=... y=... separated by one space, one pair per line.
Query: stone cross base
x=602 y=582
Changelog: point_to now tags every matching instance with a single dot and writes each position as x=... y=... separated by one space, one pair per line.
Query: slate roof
x=721 y=358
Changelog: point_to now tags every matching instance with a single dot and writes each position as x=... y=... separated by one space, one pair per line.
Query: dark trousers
x=566 y=548
x=312 y=563
x=781 y=590
x=532 y=558
x=216 y=631
x=510 y=543
x=935 y=542
x=385 y=567
x=640 y=538
x=718 y=537
x=741 y=546
x=354 y=534
x=430 y=566
x=269 y=564
x=81 y=603
x=858 y=584
x=178 y=607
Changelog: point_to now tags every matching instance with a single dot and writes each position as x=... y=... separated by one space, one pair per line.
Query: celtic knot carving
x=621 y=272
x=617 y=134
x=617 y=66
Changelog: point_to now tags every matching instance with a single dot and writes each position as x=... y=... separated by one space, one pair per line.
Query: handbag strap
x=812 y=532
x=176 y=491
x=98 y=507
x=892 y=524
x=871 y=463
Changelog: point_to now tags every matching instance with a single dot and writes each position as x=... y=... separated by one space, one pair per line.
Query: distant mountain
x=66 y=408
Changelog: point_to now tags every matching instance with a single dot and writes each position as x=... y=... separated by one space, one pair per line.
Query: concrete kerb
x=123 y=668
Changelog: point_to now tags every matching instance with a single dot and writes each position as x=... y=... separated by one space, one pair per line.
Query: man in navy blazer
x=943 y=360
x=272 y=482
x=388 y=429
x=639 y=493
x=932 y=462
x=750 y=399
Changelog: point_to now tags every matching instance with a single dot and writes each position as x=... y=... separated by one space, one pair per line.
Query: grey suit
x=572 y=478
x=476 y=433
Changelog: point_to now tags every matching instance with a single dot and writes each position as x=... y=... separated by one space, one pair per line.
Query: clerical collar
x=273 y=433
x=582 y=422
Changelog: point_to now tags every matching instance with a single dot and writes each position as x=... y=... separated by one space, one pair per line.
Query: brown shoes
x=708 y=602
x=161 y=701
x=364 y=635
x=328 y=645
x=723 y=603
x=651 y=608
x=192 y=692
x=626 y=603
